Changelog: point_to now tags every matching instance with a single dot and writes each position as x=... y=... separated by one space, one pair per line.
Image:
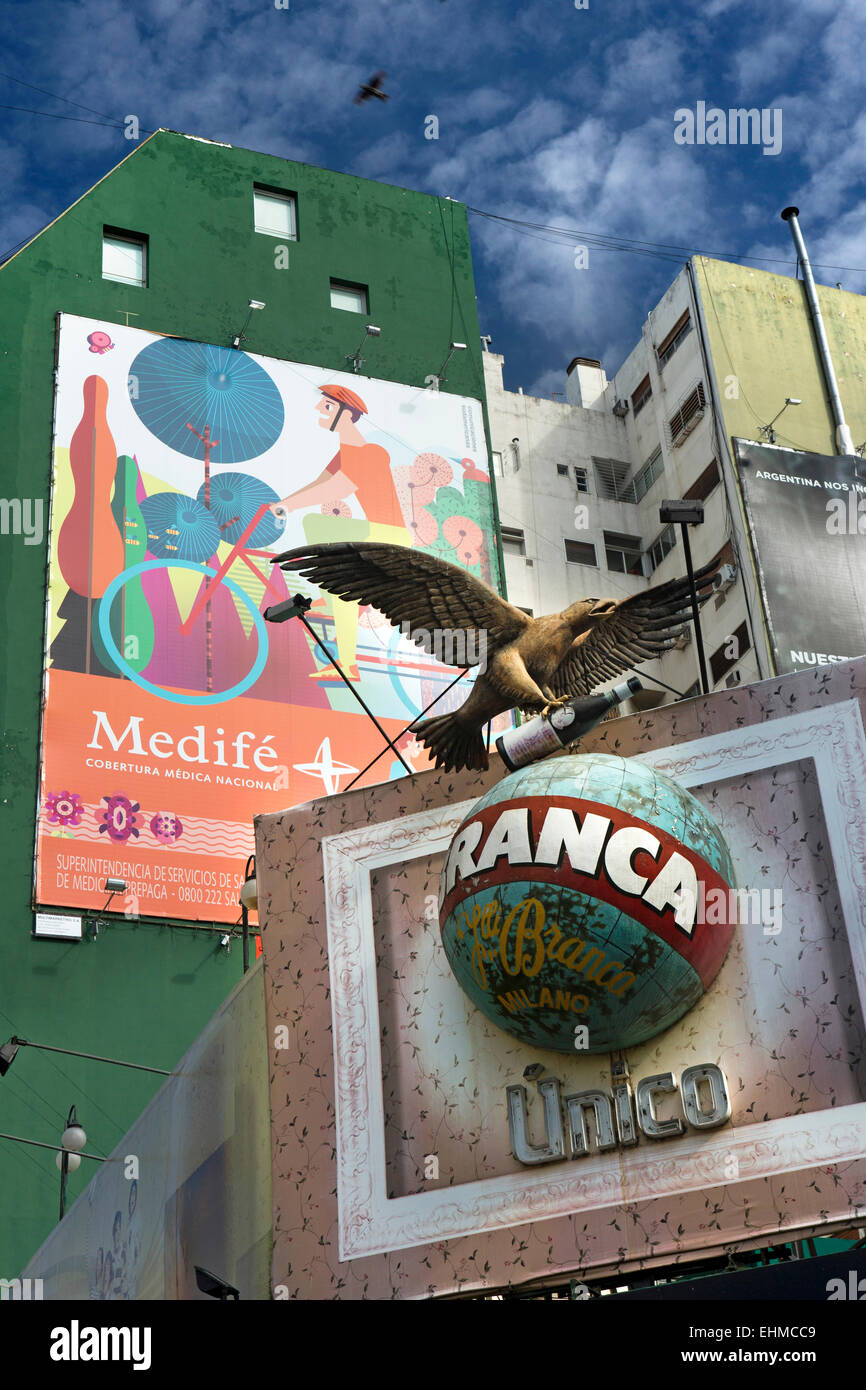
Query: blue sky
x=547 y=113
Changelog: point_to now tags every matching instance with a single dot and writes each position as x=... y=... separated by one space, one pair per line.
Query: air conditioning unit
x=620 y=408
x=682 y=638
x=726 y=576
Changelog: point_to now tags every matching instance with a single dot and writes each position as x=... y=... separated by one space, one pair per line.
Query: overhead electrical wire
x=76 y=1084
x=661 y=250
x=668 y=251
x=40 y=1168
x=56 y=116
x=43 y=91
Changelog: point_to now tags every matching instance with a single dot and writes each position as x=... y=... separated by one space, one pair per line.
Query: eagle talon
x=556 y=703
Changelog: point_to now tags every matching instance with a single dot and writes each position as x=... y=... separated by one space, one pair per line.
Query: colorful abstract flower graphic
x=424 y=527
x=64 y=808
x=429 y=472
x=119 y=818
x=466 y=537
x=167 y=827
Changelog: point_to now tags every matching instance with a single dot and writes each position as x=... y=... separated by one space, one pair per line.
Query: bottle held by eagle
x=547 y=733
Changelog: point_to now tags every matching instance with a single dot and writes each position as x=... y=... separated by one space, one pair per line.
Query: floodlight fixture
x=767 y=430
x=252 y=306
x=452 y=348
x=111 y=886
x=534 y=1071
x=685 y=512
x=213 y=1286
x=289 y=608
x=357 y=361
x=8 y=1053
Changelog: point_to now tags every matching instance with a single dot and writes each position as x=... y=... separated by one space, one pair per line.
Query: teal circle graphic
x=539 y=958
x=215 y=698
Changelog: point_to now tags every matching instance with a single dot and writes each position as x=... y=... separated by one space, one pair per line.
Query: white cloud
x=562 y=118
x=652 y=61
x=761 y=61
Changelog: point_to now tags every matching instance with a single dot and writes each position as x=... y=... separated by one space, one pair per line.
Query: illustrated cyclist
x=358 y=469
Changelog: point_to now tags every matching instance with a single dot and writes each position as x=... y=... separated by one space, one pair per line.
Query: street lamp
x=688 y=513
x=73 y=1140
x=249 y=901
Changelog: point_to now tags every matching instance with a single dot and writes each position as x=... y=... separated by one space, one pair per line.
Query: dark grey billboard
x=807 y=517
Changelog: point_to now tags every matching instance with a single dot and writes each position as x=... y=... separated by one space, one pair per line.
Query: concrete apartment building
x=580 y=482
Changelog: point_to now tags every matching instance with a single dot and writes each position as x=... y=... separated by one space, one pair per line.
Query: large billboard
x=173 y=713
x=452 y=1153
x=807 y=518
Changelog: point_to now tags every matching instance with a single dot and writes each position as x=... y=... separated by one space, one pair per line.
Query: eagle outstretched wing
x=639 y=629
x=409 y=586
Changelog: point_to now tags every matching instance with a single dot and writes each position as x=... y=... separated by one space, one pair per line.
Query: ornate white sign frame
x=370 y=1223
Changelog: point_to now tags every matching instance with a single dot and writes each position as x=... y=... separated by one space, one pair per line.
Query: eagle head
x=586 y=612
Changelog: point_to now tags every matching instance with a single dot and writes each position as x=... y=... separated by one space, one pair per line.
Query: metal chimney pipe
x=844 y=441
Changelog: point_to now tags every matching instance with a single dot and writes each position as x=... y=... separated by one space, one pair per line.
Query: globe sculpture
x=586 y=902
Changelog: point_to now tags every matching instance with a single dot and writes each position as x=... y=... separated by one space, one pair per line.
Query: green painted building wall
x=143 y=991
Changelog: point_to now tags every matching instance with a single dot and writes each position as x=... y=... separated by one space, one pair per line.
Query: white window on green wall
x=275 y=214
x=353 y=298
x=124 y=258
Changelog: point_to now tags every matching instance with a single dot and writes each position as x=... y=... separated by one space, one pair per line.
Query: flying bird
x=373 y=88
x=532 y=664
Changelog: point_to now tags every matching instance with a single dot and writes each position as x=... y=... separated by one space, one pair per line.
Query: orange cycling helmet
x=345 y=397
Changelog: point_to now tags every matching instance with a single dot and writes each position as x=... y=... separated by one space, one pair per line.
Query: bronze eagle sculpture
x=532 y=664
